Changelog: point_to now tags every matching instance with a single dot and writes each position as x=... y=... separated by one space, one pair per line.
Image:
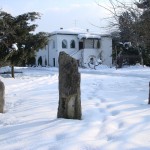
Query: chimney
x=87 y=30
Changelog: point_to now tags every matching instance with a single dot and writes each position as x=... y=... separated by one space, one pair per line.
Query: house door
x=40 y=61
x=54 y=62
x=80 y=45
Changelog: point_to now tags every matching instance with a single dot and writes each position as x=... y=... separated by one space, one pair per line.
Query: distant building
x=87 y=48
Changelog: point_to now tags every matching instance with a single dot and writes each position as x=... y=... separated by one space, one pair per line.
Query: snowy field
x=115 y=113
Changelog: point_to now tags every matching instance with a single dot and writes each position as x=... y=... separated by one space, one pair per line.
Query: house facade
x=87 y=48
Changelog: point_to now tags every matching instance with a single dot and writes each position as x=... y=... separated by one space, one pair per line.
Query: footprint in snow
x=121 y=125
x=104 y=118
x=103 y=100
x=115 y=113
x=89 y=147
x=60 y=136
x=109 y=106
x=97 y=104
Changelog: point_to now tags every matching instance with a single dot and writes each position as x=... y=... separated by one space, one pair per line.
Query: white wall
x=71 y=51
x=106 y=48
x=55 y=46
x=53 y=49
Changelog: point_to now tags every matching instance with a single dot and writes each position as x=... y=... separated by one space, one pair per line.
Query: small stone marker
x=149 y=94
x=69 y=88
x=2 y=93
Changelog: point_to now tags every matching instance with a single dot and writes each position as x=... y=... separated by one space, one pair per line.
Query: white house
x=87 y=48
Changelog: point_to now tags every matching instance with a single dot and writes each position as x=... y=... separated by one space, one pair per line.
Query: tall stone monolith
x=2 y=94
x=69 y=88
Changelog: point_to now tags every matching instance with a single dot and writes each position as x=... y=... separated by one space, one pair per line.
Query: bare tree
x=126 y=18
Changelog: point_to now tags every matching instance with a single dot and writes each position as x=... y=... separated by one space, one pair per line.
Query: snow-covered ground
x=115 y=113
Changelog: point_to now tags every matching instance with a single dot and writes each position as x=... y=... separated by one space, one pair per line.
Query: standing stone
x=149 y=94
x=2 y=93
x=69 y=88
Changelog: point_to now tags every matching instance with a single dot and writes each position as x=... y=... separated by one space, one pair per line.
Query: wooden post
x=149 y=94
x=69 y=88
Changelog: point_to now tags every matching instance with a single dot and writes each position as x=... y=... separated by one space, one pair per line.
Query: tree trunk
x=12 y=71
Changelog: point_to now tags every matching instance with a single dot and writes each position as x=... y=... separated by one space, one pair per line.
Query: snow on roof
x=69 y=31
x=80 y=32
x=87 y=35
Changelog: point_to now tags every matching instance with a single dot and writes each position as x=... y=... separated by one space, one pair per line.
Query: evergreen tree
x=123 y=51
x=17 y=41
x=125 y=26
x=145 y=30
x=144 y=4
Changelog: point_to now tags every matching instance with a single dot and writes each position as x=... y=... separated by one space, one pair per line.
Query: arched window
x=72 y=44
x=40 y=61
x=64 y=44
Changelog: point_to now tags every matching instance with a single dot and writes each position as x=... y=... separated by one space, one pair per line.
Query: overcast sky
x=61 y=13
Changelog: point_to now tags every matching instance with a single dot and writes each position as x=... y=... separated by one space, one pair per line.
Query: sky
x=67 y=14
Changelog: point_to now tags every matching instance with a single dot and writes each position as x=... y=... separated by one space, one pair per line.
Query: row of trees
x=131 y=40
x=18 y=42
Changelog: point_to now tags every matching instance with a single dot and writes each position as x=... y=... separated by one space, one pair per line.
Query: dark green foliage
x=145 y=23
x=135 y=28
x=19 y=30
x=146 y=56
x=143 y=4
x=31 y=61
x=123 y=53
x=125 y=25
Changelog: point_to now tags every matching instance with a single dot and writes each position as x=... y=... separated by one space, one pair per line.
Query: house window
x=98 y=44
x=64 y=44
x=72 y=44
x=81 y=45
x=88 y=43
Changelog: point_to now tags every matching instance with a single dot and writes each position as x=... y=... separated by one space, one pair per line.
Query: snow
x=14 y=46
x=115 y=113
x=5 y=69
x=81 y=32
x=87 y=35
x=70 y=31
